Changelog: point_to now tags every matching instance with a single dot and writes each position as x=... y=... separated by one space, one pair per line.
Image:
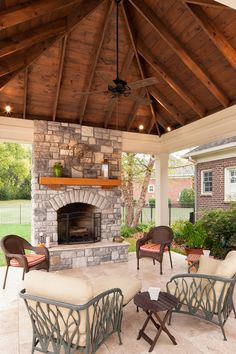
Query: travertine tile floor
x=193 y=335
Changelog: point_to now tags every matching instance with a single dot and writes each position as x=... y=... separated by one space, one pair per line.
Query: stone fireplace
x=77 y=217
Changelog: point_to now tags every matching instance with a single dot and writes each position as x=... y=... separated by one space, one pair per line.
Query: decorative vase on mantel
x=57 y=169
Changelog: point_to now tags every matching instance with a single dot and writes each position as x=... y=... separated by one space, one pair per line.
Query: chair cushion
x=129 y=286
x=32 y=259
x=208 y=265
x=152 y=247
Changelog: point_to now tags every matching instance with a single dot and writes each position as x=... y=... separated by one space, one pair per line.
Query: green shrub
x=152 y=202
x=127 y=231
x=178 y=228
x=186 y=197
x=220 y=226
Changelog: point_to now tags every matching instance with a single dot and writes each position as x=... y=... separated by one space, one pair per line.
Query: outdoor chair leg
x=234 y=311
x=171 y=264
x=170 y=318
x=153 y=261
x=23 y=275
x=137 y=263
x=5 y=279
x=161 y=268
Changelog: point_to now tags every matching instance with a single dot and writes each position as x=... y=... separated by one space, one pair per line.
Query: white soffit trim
x=217 y=126
x=216 y=149
x=16 y=130
x=140 y=143
x=230 y=3
x=221 y=155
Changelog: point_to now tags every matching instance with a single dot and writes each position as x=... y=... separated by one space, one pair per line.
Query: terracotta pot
x=189 y=250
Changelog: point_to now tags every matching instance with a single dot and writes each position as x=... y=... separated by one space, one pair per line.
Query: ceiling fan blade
x=141 y=100
x=110 y=104
x=142 y=83
x=91 y=93
x=106 y=78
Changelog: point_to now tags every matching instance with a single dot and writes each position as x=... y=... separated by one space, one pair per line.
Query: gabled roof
x=52 y=50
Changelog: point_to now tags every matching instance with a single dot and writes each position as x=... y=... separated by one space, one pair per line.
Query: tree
x=135 y=168
x=186 y=196
x=14 y=171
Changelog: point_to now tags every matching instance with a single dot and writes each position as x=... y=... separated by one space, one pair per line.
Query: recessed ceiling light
x=8 y=109
x=168 y=129
x=141 y=127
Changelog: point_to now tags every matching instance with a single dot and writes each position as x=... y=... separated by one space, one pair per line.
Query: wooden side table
x=166 y=302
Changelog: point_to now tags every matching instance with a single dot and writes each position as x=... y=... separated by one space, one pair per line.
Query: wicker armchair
x=154 y=244
x=14 y=248
x=207 y=296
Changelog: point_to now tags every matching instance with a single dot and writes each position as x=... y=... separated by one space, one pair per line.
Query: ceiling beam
x=124 y=72
x=180 y=50
x=131 y=35
x=165 y=74
x=165 y=104
x=25 y=91
x=21 y=61
x=96 y=56
x=60 y=71
x=29 y=38
x=209 y=3
x=30 y=10
x=134 y=111
x=214 y=34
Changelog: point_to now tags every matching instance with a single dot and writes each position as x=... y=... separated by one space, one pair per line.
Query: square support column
x=161 y=189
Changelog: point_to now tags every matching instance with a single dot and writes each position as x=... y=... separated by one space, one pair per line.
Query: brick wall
x=216 y=200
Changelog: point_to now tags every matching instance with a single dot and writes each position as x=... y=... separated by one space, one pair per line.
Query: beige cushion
x=65 y=289
x=129 y=286
x=208 y=265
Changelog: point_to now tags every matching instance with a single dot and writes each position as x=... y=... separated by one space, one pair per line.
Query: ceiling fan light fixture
x=141 y=127
x=168 y=129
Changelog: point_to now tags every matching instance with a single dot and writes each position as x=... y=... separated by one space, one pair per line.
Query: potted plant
x=57 y=169
x=195 y=237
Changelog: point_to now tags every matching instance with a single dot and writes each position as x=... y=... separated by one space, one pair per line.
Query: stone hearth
x=81 y=150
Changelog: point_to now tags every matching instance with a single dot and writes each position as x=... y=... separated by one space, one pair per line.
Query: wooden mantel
x=59 y=181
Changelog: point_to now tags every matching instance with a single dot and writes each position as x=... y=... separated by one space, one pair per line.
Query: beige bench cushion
x=129 y=286
x=64 y=289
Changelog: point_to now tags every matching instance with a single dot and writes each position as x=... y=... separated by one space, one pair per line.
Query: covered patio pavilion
x=52 y=52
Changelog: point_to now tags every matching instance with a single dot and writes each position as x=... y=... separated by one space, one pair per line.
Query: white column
x=161 y=189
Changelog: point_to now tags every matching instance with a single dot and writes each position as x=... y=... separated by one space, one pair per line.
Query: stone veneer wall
x=81 y=150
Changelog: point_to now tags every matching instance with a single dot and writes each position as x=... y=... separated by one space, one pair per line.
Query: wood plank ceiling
x=53 y=50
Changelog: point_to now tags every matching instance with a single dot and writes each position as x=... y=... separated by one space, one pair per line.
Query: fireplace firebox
x=78 y=223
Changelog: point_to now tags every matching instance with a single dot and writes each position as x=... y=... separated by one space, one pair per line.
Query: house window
x=206 y=182
x=230 y=184
x=151 y=188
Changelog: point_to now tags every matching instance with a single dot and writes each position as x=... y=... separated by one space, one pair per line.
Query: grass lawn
x=15 y=212
x=23 y=230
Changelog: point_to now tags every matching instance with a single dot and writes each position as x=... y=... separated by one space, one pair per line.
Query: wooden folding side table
x=165 y=303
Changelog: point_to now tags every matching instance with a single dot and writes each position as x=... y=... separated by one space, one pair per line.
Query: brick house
x=215 y=174
x=178 y=179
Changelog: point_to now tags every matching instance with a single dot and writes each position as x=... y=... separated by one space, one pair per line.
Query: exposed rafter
x=60 y=71
x=9 y=68
x=180 y=50
x=131 y=36
x=209 y=3
x=134 y=111
x=27 y=39
x=159 y=97
x=124 y=72
x=31 y=10
x=214 y=34
x=25 y=91
x=162 y=71
x=96 y=56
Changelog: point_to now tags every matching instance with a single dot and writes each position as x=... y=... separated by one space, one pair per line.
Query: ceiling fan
x=120 y=88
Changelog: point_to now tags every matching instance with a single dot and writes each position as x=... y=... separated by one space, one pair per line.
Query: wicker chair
x=154 y=244
x=207 y=296
x=14 y=247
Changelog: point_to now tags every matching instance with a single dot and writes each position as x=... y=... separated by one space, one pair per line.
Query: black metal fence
x=176 y=212
x=15 y=214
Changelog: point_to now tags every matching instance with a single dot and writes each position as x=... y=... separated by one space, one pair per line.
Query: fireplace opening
x=78 y=223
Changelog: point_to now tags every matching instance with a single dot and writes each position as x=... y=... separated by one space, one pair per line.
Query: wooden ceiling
x=52 y=50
